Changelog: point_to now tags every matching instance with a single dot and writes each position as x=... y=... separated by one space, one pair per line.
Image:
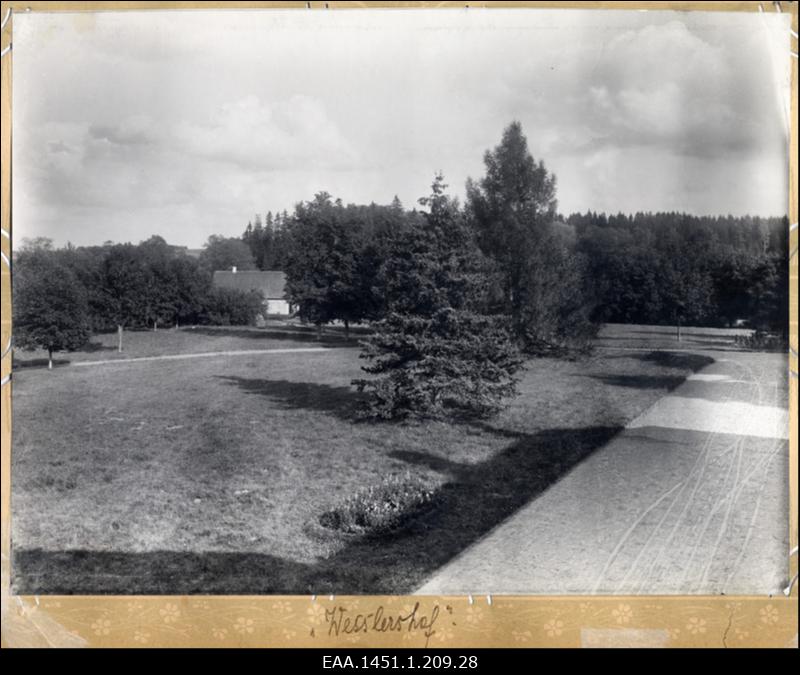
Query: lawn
x=211 y=475
x=278 y=334
x=665 y=337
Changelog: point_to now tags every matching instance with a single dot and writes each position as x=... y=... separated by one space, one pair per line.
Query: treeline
x=648 y=268
x=61 y=296
x=268 y=242
x=455 y=293
x=673 y=268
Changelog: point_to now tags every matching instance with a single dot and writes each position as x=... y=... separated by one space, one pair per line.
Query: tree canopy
x=51 y=311
x=451 y=291
x=223 y=253
x=542 y=285
x=435 y=353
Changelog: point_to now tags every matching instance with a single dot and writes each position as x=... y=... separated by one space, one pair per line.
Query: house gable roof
x=270 y=283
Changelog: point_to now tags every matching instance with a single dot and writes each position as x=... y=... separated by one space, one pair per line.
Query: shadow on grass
x=682 y=360
x=19 y=363
x=89 y=348
x=668 y=382
x=93 y=347
x=667 y=358
x=305 y=335
x=339 y=401
x=474 y=499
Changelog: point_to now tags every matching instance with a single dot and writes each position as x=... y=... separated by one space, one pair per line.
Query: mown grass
x=277 y=334
x=211 y=476
x=665 y=337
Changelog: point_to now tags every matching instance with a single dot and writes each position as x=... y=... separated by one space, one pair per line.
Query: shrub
x=383 y=507
x=232 y=307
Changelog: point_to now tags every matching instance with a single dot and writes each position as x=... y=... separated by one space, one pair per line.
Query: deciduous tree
x=124 y=287
x=50 y=307
x=322 y=268
x=223 y=253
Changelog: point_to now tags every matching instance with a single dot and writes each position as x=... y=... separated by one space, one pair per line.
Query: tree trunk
x=155 y=325
x=346 y=329
x=319 y=331
x=679 y=329
x=49 y=359
x=119 y=338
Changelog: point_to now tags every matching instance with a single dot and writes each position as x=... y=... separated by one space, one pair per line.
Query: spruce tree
x=436 y=354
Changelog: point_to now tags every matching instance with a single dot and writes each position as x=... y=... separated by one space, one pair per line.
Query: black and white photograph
x=400 y=302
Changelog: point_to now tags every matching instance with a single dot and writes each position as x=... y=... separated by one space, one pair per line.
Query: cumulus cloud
x=666 y=86
x=194 y=121
x=140 y=161
x=139 y=130
x=254 y=134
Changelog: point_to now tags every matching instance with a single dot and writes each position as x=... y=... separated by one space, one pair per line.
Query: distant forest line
x=735 y=268
x=502 y=268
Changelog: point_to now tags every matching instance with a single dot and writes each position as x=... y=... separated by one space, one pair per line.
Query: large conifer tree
x=513 y=209
x=435 y=353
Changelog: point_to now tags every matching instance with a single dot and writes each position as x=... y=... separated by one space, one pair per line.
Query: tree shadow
x=682 y=360
x=41 y=362
x=288 y=395
x=93 y=347
x=668 y=382
x=667 y=358
x=303 y=335
x=19 y=363
x=474 y=499
x=478 y=497
x=84 y=572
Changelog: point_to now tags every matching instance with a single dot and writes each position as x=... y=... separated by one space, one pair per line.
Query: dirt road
x=692 y=497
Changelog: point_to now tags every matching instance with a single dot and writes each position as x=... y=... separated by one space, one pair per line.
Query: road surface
x=692 y=497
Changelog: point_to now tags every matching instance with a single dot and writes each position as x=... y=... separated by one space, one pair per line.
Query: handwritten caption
x=341 y=621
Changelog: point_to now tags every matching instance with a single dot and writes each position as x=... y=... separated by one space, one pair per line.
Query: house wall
x=280 y=307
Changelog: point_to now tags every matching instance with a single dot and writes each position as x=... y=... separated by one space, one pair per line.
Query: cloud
x=287 y=134
x=664 y=85
x=139 y=130
x=192 y=121
x=140 y=162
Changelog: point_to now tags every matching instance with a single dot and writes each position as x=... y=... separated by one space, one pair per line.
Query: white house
x=271 y=283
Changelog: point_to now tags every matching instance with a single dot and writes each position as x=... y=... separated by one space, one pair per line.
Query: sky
x=187 y=124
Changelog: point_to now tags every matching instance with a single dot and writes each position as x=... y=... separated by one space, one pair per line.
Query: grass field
x=210 y=475
x=665 y=337
x=147 y=343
